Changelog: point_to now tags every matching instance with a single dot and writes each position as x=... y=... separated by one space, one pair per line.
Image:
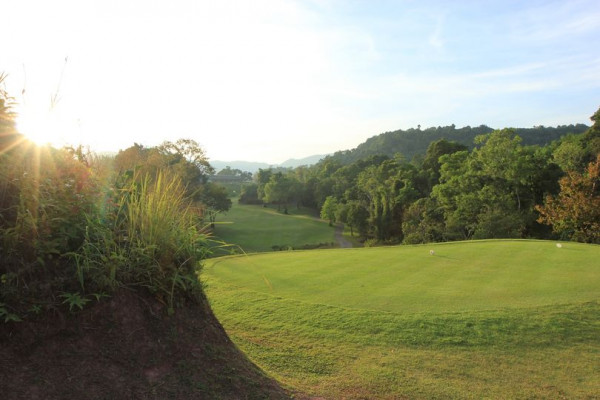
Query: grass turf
x=516 y=319
x=257 y=229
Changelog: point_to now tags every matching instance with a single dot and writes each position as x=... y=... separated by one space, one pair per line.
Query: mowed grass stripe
x=466 y=276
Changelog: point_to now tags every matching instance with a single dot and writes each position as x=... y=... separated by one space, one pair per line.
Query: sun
x=48 y=127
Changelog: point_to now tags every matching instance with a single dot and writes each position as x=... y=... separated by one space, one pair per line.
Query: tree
x=131 y=158
x=237 y=173
x=575 y=212
x=490 y=192
x=249 y=194
x=192 y=152
x=262 y=178
x=591 y=138
x=570 y=155
x=388 y=189
x=329 y=209
x=278 y=190
x=431 y=163
x=505 y=161
x=214 y=200
x=357 y=217
x=456 y=195
x=423 y=222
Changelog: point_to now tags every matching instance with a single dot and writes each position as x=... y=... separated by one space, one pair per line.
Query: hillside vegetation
x=496 y=319
x=414 y=142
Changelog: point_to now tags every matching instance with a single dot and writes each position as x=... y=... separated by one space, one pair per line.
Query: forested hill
x=415 y=141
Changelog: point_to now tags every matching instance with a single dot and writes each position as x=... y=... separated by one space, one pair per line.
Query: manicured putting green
x=462 y=276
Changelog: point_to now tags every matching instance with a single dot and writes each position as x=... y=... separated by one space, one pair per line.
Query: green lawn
x=257 y=229
x=495 y=319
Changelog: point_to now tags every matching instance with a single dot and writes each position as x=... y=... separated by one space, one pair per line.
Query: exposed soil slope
x=127 y=347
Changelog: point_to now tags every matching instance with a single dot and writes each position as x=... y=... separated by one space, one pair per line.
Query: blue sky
x=269 y=80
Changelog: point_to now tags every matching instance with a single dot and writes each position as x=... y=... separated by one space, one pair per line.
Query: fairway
x=254 y=228
x=511 y=319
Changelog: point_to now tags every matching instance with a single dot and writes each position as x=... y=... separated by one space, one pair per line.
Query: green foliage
x=187 y=161
x=387 y=190
x=249 y=194
x=8 y=316
x=263 y=176
x=489 y=192
x=329 y=209
x=591 y=138
x=190 y=151
x=570 y=154
x=214 y=199
x=151 y=240
x=281 y=189
x=357 y=217
x=237 y=174
x=431 y=162
x=413 y=142
x=424 y=222
x=74 y=300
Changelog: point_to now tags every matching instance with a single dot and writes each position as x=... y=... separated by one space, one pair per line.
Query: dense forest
x=460 y=184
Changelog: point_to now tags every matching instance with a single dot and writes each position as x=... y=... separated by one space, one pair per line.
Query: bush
x=371 y=243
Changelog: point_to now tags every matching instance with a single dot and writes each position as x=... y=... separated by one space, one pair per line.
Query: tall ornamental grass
x=149 y=236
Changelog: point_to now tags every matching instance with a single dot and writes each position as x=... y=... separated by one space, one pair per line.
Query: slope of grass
x=499 y=319
x=257 y=229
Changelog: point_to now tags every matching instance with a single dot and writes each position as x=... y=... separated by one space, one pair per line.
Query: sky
x=270 y=80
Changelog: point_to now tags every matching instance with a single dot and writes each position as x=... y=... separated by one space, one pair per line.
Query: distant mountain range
x=251 y=166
